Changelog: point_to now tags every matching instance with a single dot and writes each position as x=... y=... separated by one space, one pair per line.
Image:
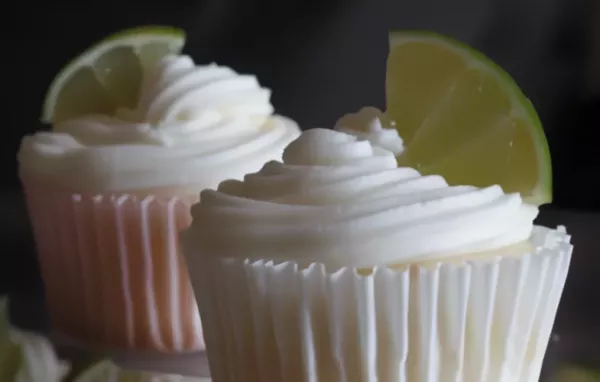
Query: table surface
x=576 y=332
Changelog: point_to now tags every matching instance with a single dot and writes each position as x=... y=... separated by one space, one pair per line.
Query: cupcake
x=337 y=265
x=109 y=192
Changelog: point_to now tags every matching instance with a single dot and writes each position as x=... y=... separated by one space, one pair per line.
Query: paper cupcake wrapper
x=477 y=321
x=112 y=269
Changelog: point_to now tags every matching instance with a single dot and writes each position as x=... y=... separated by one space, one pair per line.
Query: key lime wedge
x=577 y=374
x=108 y=75
x=463 y=117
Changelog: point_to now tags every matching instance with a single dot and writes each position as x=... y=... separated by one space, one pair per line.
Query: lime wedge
x=577 y=374
x=463 y=117
x=108 y=75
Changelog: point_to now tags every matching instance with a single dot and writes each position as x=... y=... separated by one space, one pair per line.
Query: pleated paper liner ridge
x=477 y=321
x=112 y=268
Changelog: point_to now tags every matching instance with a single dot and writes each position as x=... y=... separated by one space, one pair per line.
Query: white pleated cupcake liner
x=487 y=320
x=112 y=269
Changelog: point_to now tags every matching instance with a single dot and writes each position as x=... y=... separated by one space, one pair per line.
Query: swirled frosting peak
x=176 y=89
x=371 y=124
x=339 y=200
x=193 y=127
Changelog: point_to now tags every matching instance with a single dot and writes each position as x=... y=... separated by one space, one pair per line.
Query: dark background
x=322 y=58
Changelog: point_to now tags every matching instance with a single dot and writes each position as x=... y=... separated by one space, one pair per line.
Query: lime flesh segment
x=463 y=117
x=108 y=75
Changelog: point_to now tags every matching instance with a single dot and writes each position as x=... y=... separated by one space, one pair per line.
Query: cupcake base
x=112 y=269
x=477 y=321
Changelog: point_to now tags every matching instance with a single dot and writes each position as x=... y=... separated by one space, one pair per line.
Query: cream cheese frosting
x=371 y=124
x=342 y=201
x=193 y=127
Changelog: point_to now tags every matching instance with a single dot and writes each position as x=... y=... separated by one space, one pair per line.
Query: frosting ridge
x=371 y=124
x=340 y=200
x=193 y=126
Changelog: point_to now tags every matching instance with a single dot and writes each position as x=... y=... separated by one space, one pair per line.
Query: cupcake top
x=193 y=127
x=370 y=124
x=339 y=200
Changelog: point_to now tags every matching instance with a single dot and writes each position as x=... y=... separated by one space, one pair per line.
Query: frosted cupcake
x=337 y=265
x=109 y=193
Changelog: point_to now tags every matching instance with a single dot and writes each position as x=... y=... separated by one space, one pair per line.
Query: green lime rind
x=542 y=192
x=173 y=37
x=572 y=373
x=155 y=30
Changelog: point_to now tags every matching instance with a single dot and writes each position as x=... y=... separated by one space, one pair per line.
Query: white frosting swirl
x=341 y=201
x=371 y=124
x=193 y=127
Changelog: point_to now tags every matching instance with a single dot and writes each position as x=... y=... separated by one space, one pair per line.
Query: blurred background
x=322 y=58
